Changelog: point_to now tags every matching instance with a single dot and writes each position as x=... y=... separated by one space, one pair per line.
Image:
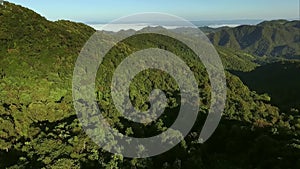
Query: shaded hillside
x=278 y=38
x=280 y=80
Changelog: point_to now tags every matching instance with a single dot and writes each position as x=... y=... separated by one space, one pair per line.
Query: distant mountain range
x=279 y=38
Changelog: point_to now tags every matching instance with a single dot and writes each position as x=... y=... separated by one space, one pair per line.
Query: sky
x=193 y=10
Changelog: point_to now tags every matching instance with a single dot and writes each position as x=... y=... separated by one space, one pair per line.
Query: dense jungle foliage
x=39 y=128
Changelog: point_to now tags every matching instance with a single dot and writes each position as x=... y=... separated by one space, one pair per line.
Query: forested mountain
x=209 y=30
x=39 y=127
x=279 y=38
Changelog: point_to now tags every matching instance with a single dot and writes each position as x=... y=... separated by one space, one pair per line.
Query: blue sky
x=107 y=10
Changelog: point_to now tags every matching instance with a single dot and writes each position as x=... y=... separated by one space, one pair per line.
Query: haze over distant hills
x=170 y=25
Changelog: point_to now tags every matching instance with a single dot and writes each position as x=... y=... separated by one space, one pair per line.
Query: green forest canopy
x=39 y=128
